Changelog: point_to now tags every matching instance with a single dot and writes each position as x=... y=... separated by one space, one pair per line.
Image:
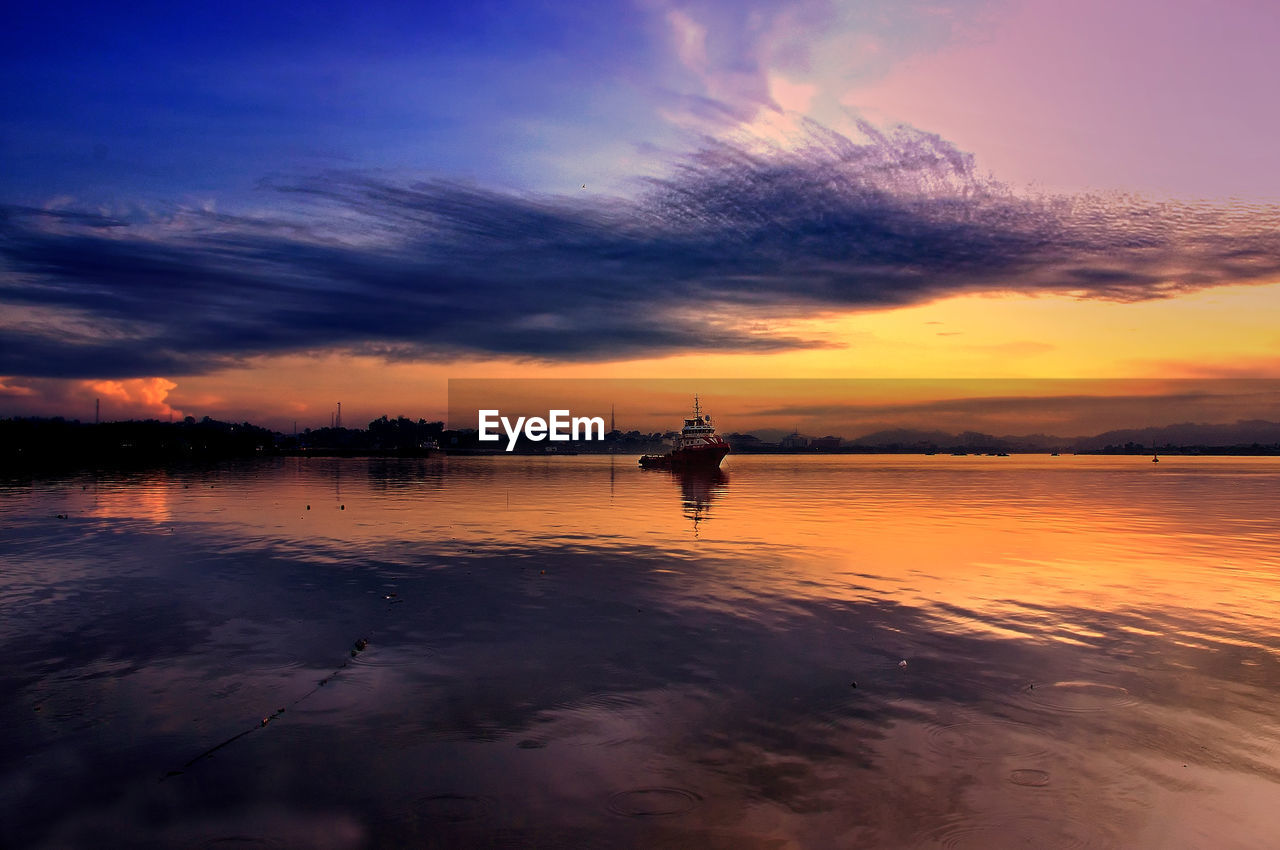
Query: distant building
x=794 y=441
x=825 y=444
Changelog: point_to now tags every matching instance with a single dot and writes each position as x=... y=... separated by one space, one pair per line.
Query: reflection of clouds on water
x=617 y=690
x=626 y=684
x=144 y=500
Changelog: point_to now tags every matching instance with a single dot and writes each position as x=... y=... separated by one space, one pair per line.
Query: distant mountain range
x=1241 y=433
x=1253 y=433
x=967 y=440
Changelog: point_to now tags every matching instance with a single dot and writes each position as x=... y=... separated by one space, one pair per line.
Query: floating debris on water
x=902 y=663
x=359 y=646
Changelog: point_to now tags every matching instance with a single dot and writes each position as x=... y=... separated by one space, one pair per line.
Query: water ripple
x=653 y=802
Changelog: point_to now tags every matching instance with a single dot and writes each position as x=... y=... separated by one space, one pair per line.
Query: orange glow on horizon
x=1224 y=331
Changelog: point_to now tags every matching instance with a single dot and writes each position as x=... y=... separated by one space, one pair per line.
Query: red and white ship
x=697 y=446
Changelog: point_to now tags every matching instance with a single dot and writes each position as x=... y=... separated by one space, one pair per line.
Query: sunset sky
x=250 y=212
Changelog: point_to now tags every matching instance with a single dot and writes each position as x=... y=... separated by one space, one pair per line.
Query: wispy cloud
x=711 y=257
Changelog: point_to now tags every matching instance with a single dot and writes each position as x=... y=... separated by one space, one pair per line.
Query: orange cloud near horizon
x=137 y=397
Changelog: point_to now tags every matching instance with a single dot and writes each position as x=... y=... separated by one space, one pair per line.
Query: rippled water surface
x=572 y=652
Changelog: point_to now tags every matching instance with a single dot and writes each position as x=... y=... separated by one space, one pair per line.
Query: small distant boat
x=697 y=446
x=1054 y=454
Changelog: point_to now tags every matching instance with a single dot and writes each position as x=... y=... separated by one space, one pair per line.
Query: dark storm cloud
x=733 y=239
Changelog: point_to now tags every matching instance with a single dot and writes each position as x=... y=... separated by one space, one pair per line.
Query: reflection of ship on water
x=697 y=446
x=698 y=489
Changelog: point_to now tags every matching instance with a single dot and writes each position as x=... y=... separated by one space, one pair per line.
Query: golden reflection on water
x=980 y=533
x=1007 y=546
x=147 y=499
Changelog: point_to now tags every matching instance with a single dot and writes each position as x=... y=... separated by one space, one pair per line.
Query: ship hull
x=699 y=458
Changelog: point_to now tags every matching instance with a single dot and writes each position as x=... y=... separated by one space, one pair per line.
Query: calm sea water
x=572 y=652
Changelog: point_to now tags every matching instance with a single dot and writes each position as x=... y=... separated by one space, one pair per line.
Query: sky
x=253 y=213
